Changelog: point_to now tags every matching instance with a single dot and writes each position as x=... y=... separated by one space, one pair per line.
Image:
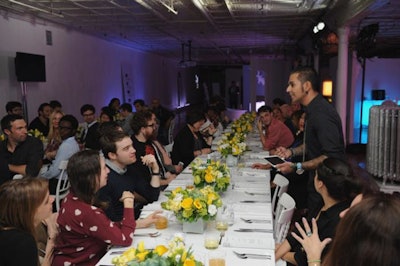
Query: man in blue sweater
x=119 y=153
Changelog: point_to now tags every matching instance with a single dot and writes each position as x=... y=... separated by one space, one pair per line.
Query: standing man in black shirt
x=323 y=130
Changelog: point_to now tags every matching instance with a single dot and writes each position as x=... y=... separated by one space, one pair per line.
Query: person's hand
x=259 y=125
x=150 y=161
x=261 y=166
x=283 y=152
x=127 y=199
x=52 y=226
x=310 y=241
x=285 y=168
x=149 y=220
x=178 y=168
x=205 y=151
x=170 y=177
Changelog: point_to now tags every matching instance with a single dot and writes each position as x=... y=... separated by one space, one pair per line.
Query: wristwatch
x=299 y=168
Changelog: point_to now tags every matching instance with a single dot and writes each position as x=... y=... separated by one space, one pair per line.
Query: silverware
x=118 y=252
x=153 y=234
x=221 y=235
x=253 y=201
x=255 y=193
x=249 y=221
x=246 y=230
x=252 y=256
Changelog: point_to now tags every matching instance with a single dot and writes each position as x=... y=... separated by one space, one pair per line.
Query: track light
x=319 y=27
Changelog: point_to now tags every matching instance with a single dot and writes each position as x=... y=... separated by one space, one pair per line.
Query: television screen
x=30 y=67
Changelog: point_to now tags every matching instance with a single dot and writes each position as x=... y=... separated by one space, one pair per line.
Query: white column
x=341 y=76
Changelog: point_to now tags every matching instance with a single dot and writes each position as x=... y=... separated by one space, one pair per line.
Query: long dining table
x=248 y=196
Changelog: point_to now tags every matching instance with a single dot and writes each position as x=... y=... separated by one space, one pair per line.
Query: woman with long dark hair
x=25 y=203
x=337 y=185
x=368 y=234
x=85 y=230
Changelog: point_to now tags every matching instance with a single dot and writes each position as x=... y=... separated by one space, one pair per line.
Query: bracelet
x=312 y=261
x=155 y=173
x=127 y=198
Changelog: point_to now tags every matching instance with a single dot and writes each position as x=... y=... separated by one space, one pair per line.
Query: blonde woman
x=53 y=138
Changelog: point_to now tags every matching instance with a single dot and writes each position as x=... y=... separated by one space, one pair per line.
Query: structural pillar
x=341 y=76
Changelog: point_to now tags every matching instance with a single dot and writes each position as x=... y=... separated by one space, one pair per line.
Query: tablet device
x=274 y=160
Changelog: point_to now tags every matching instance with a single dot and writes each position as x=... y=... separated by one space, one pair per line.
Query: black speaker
x=378 y=95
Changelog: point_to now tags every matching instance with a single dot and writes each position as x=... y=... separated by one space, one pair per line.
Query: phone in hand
x=274 y=160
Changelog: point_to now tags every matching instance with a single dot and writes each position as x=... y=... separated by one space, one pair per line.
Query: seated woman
x=24 y=204
x=189 y=143
x=85 y=231
x=53 y=138
x=367 y=234
x=337 y=185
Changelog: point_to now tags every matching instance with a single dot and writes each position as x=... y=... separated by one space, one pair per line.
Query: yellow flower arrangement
x=232 y=143
x=215 y=174
x=244 y=124
x=37 y=134
x=191 y=204
x=175 y=254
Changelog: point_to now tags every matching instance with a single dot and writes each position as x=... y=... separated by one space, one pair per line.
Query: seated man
x=41 y=122
x=69 y=146
x=273 y=133
x=144 y=126
x=119 y=153
x=19 y=153
x=90 y=135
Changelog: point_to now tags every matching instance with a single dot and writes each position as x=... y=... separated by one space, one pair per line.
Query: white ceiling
x=220 y=31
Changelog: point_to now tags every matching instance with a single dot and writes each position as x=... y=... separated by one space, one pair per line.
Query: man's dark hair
x=72 y=120
x=107 y=127
x=54 y=104
x=11 y=105
x=139 y=101
x=278 y=101
x=42 y=106
x=126 y=107
x=308 y=74
x=195 y=116
x=87 y=107
x=263 y=109
x=109 y=140
x=140 y=120
x=8 y=119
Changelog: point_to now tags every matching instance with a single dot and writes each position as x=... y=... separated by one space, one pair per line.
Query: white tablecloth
x=249 y=196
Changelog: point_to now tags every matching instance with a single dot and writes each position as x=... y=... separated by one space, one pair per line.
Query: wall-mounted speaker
x=378 y=95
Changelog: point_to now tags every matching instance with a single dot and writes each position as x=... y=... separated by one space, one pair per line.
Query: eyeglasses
x=61 y=127
x=90 y=114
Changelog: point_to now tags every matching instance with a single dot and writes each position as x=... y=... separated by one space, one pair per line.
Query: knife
x=253 y=201
x=254 y=230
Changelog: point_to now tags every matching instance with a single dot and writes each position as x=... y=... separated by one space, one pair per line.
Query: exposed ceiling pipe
x=36 y=8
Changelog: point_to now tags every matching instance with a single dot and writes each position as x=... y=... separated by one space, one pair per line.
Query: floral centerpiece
x=192 y=204
x=244 y=124
x=232 y=144
x=37 y=134
x=215 y=174
x=176 y=254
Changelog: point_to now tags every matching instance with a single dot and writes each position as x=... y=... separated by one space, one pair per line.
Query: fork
x=253 y=193
x=154 y=234
x=249 y=221
x=251 y=256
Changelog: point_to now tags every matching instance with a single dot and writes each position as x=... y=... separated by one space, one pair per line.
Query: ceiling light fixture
x=36 y=8
x=170 y=6
x=319 y=27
